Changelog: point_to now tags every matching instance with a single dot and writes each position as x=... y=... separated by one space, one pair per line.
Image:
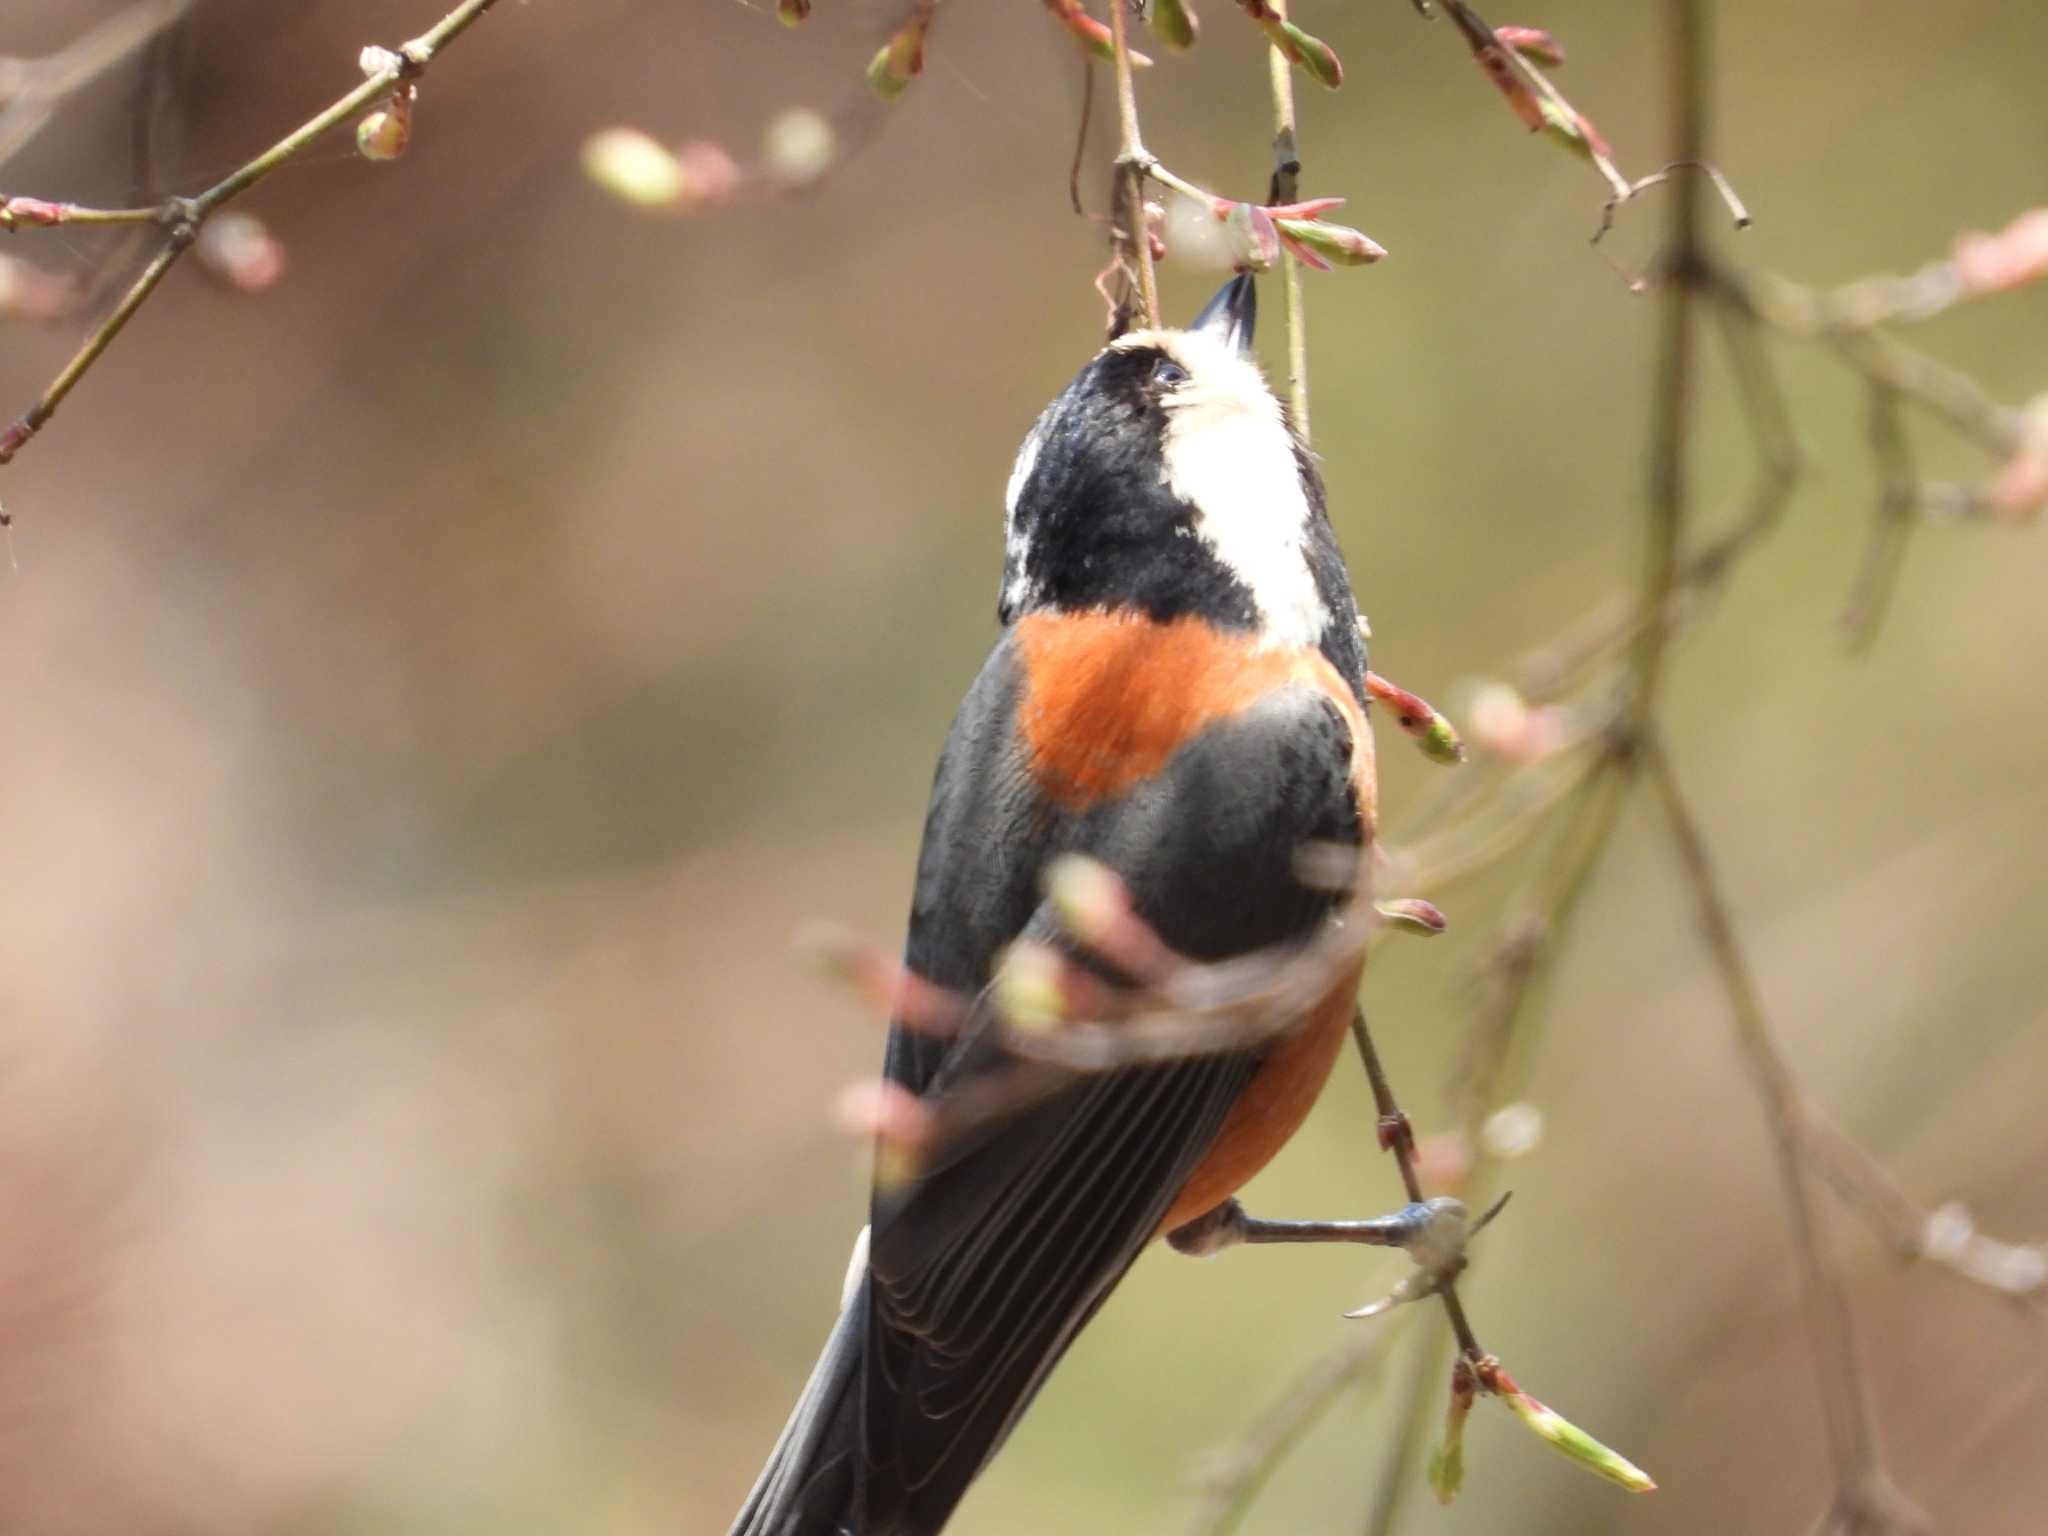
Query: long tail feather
x=809 y=1486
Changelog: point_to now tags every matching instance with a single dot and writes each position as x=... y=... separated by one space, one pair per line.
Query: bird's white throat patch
x=1228 y=454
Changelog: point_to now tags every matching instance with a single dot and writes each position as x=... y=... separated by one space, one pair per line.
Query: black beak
x=1232 y=314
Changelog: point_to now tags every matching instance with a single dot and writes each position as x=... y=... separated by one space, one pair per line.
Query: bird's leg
x=1428 y=1227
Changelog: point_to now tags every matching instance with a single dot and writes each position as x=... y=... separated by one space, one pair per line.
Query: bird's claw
x=1435 y=1234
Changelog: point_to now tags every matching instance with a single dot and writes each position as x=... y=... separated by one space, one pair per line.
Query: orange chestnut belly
x=1271 y=1108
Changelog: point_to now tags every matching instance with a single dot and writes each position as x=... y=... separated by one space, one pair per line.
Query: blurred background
x=434 y=691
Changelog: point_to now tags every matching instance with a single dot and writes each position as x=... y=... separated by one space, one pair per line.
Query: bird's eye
x=1166 y=373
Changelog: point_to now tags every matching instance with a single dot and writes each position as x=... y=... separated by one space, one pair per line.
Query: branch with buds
x=1856 y=323
x=1555 y=754
x=1514 y=59
x=387 y=94
x=1559 y=751
x=1558 y=755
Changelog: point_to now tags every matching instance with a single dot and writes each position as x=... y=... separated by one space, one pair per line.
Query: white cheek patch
x=1228 y=454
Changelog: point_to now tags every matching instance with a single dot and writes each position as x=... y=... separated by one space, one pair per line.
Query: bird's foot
x=1429 y=1229
x=1433 y=1232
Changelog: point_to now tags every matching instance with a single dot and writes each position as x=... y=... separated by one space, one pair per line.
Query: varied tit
x=1178 y=692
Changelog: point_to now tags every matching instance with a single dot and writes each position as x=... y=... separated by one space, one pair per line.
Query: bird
x=1177 y=692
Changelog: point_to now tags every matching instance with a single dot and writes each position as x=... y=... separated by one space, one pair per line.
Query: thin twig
x=1671 y=408
x=1637 y=634
x=1892 y=519
x=13 y=437
x=1943 y=1237
x=1285 y=188
x=1081 y=136
x=1484 y=41
x=182 y=217
x=1814 y=315
x=1422 y=1394
x=1133 y=239
x=1866 y=1500
x=1398 y=1136
x=1239 y=1474
x=1737 y=210
x=1547 y=672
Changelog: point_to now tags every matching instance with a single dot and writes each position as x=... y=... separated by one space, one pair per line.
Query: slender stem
x=412 y=59
x=1482 y=38
x=1530 y=942
x=1684 y=267
x=1847 y=323
x=1601 y=798
x=1151 y=166
x=1399 y=1138
x=1851 y=1421
x=31 y=421
x=184 y=216
x=1404 y=1450
x=70 y=213
x=1241 y=1473
x=1286 y=188
x=1132 y=162
x=1892 y=521
x=1516 y=812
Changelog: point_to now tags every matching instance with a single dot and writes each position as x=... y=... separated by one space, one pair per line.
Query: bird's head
x=1166 y=479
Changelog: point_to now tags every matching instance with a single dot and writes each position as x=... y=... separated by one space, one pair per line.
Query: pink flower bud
x=1333 y=242
x=1304 y=49
x=1411 y=914
x=1091 y=34
x=889 y=1112
x=1444 y=1162
x=1527 y=106
x=1575 y=131
x=2021 y=489
x=1999 y=263
x=900 y=60
x=1563 y=1435
x=1503 y=723
x=27 y=292
x=237 y=249
x=1307 y=255
x=1254 y=238
x=32 y=210
x=901 y=1125
x=710 y=174
x=1312 y=208
x=384 y=134
x=1435 y=734
x=1532 y=43
x=1314 y=55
